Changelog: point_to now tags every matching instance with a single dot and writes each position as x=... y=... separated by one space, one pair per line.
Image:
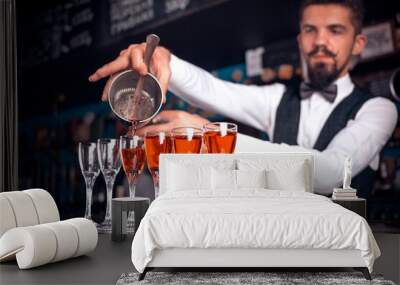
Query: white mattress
x=251 y=219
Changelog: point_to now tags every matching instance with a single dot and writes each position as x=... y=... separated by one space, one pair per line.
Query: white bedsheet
x=250 y=219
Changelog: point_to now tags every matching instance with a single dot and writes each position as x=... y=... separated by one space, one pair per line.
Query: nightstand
x=120 y=209
x=358 y=205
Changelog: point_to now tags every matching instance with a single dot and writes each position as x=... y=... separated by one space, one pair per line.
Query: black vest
x=287 y=125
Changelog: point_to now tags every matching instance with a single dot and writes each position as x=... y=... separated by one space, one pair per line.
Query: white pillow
x=187 y=177
x=223 y=179
x=184 y=173
x=282 y=174
x=278 y=180
x=251 y=178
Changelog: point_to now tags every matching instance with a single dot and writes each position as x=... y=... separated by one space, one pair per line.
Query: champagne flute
x=132 y=156
x=90 y=170
x=110 y=164
x=220 y=137
x=156 y=143
x=186 y=139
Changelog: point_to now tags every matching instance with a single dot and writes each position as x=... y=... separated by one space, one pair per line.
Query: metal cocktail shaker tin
x=121 y=97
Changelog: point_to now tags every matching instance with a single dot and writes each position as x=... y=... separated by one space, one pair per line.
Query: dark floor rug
x=243 y=278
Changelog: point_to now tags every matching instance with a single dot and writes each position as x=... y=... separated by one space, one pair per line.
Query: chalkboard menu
x=132 y=14
x=51 y=30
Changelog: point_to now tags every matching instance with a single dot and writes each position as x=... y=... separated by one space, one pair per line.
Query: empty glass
x=156 y=143
x=220 y=137
x=186 y=140
x=110 y=164
x=90 y=170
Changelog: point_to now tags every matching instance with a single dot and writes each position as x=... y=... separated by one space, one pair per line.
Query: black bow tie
x=329 y=93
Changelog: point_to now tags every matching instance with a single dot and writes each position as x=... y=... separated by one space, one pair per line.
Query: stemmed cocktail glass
x=89 y=165
x=133 y=157
x=110 y=164
x=156 y=143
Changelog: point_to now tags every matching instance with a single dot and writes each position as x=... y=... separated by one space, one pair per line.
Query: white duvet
x=250 y=219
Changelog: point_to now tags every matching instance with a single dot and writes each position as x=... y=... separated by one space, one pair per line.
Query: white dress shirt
x=362 y=139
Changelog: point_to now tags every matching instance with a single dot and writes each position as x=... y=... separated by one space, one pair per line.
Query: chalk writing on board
x=175 y=5
x=128 y=14
x=82 y=17
x=55 y=29
x=58 y=31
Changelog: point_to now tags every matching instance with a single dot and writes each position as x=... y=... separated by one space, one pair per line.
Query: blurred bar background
x=60 y=43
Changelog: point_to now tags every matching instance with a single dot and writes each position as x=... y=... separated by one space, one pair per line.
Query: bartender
x=327 y=113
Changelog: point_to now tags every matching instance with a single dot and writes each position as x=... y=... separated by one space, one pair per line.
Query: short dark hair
x=355 y=6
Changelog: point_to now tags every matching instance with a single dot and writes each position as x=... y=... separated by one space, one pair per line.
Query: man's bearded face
x=322 y=73
x=327 y=42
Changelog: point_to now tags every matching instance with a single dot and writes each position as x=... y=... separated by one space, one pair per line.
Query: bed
x=248 y=210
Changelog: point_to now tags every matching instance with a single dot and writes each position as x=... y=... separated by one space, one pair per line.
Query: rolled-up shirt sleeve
x=251 y=105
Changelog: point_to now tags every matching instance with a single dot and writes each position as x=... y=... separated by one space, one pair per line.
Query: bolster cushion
x=40 y=244
x=26 y=208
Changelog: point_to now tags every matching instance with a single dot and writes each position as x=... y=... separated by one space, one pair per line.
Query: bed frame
x=244 y=259
x=260 y=259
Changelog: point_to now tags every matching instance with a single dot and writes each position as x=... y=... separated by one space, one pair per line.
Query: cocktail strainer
x=126 y=106
x=135 y=98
